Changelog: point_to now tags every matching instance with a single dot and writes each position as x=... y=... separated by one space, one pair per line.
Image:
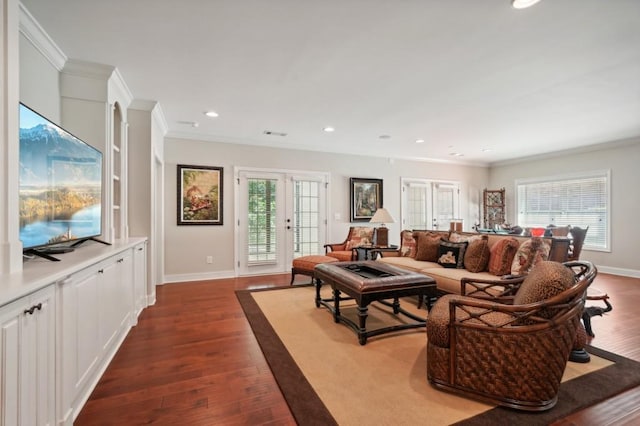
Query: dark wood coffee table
x=368 y=281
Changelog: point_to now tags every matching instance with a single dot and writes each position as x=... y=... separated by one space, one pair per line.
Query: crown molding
x=156 y=112
x=39 y=38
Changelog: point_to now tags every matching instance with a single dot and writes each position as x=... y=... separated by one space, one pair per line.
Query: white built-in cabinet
x=140 y=278
x=57 y=340
x=27 y=359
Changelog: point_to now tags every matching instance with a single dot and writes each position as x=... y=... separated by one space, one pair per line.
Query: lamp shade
x=382 y=216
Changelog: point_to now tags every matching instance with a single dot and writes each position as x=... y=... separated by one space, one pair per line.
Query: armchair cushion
x=438 y=322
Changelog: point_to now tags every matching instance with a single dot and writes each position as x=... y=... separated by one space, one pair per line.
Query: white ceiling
x=464 y=75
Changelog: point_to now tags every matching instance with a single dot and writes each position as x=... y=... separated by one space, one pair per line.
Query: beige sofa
x=448 y=279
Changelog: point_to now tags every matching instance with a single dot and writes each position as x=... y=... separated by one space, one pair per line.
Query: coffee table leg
x=362 y=318
x=336 y=305
x=318 y=286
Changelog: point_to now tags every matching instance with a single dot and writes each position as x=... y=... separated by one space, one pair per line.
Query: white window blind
x=576 y=200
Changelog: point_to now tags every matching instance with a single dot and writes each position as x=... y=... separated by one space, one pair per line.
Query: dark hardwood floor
x=193 y=360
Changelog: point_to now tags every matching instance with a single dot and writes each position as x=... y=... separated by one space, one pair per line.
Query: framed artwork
x=366 y=198
x=200 y=195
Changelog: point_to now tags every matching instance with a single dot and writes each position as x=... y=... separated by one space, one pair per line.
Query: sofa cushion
x=448 y=279
x=546 y=279
x=476 y=257
x=502 y=254
x=427 y=244
x=409 y=263
x=529 y=254
x=451 y=255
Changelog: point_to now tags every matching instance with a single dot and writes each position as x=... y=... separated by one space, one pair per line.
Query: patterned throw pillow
x=451 y=255
x=459 y=238
x=407 y=244
x=427 y=246
x=360 y=236
x=529 y=254
x=502 y=254
x=546 y=279
x=476 y=257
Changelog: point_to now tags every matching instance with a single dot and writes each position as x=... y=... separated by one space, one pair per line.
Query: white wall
x=186 y=246
x=622 y=160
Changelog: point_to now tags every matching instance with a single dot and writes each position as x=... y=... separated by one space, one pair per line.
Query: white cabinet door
x=27 y=359
x=139 y=279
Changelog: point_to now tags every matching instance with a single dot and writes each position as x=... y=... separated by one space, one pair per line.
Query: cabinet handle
x=32 y=309
x=101 y=271
x=120 y=260
x=140 y=248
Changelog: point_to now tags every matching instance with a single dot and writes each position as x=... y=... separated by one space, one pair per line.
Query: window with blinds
x=577 y=200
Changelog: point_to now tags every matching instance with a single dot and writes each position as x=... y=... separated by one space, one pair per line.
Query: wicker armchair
x=512 y=353
x=345 y=251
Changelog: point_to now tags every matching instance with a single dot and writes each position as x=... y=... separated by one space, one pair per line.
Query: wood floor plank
x=193 y=359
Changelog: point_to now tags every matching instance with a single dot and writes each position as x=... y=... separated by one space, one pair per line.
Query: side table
x=371 y=252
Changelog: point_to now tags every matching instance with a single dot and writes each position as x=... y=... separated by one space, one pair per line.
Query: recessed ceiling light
x=419 y=140
x=456 y=154
x=486 y=150
x=329 y=129
x=211 y=114
x=523 y=4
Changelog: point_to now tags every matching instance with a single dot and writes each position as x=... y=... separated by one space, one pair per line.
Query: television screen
x=60 y=184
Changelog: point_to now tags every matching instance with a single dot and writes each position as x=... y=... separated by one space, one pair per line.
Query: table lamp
x=382 y=216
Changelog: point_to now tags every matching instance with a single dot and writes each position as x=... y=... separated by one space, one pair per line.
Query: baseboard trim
x=203 y=276
x=633 y=273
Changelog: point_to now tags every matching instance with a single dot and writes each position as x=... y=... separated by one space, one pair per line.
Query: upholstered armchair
x=345 y=251
x=509 y=345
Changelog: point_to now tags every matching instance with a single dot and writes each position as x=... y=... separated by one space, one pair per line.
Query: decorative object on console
x=200 y=195
x=493 y=205
x=382 y=216
x=365 y=198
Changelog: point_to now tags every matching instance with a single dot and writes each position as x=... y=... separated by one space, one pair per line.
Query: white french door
x=428 y=204
x=280 y=216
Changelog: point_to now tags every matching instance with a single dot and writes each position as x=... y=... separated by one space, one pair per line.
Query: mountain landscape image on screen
x=60 y=184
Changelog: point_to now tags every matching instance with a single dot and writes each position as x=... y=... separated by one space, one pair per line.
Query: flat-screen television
x=60 y=186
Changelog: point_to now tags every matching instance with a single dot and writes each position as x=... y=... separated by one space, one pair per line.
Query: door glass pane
x=262 y=241
x=416 y=207
x=444 y=205
x=306 y=218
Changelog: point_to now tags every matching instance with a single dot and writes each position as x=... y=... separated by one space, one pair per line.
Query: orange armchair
x=345 y=251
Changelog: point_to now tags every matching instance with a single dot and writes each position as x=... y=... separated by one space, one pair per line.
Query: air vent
x=271 y=133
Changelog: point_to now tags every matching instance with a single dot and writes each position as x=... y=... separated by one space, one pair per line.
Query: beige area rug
x=382 y=383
